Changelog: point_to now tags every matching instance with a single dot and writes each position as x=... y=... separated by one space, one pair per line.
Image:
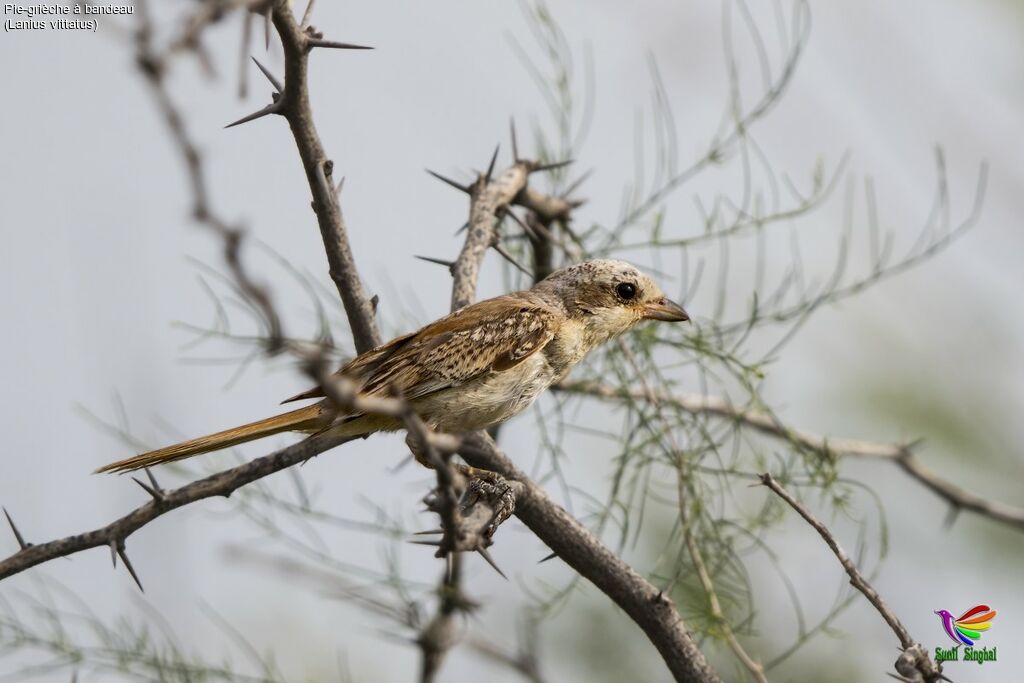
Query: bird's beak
x=665 y=309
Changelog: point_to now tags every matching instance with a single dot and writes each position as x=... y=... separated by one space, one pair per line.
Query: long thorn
x=457 y=186
x=549 y=557
x=131 y=570
x=152 y=479
x=550 y=167
x=511 y=259
x=515 y=146
x=439 y=261
x=113 y=553
x=272 y=108
x=17 y=534
x=149 y=489
x=490 y=560
x=429 y=532
x=522 y=224
x=307 y=16
x=464 y=228
x=490 y=167
x=433 y=544
x=335 y=45
x=270 y=77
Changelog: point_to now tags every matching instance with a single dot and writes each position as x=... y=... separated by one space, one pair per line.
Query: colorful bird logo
x=969 y=626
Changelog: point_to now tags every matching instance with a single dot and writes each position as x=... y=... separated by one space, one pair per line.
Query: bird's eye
x=625 y=290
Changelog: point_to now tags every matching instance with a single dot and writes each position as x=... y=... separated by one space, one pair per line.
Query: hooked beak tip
x=665 y=310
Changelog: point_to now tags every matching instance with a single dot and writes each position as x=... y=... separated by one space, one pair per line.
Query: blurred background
x=101 y=262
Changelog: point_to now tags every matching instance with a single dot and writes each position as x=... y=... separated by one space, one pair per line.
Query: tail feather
x=307 y=418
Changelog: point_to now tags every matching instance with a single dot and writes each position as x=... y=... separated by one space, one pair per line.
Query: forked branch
x=826 y=447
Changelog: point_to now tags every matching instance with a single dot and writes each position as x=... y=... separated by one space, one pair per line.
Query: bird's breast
x=488 y=400
x=567 y=348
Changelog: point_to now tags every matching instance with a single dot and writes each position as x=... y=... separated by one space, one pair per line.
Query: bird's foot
x=488 y=492
x=476 y=474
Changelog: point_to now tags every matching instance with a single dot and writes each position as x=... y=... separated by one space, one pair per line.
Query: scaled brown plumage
x=474 y=368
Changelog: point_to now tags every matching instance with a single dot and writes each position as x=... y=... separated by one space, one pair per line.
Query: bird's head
x=609 y=297
x=943 y=613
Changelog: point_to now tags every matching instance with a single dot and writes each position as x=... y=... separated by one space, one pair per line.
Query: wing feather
x=490 y=336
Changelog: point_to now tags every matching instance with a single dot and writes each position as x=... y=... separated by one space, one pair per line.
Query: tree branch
x=220 y=484
x=488 y=201
x=293 y=104
x=648 y=607
x=652 y=610
x=829 y=447
x=341 y=392
x=914 y=664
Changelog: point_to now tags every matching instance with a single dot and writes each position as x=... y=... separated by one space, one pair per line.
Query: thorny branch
x=489 y=199
x=490 y=499
x=341 y=392
x=826 y=447
x=115 y=533
x=914 y=664
x=467 y=523
x=293 y=103
x=652 y=610
x=291 y=100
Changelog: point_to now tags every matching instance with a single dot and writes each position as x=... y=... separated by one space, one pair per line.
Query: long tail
x=308 y=418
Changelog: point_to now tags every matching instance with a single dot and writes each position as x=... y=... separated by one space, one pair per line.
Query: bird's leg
x=468 y=471
x=475 y=473
x=486 y=500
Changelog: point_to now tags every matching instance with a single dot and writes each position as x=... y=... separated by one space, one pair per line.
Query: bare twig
x=525 y=660
x=915 y=664
x=293 y=103
x=828 y=447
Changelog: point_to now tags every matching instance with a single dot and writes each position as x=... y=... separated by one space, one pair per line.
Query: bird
x=472 y=369
x=968 y=627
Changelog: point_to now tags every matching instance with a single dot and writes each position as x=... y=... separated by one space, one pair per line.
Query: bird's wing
x=489 y=336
